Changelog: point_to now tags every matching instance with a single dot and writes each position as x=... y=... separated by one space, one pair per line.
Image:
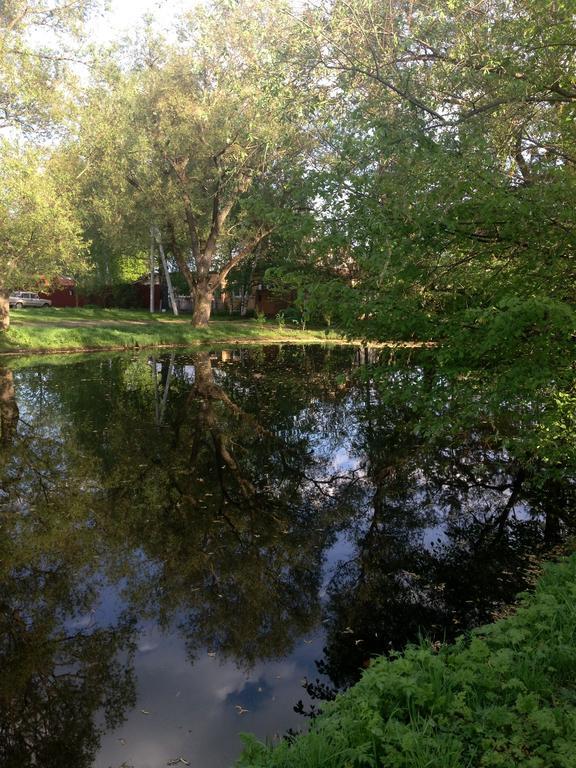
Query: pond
x=198 y=544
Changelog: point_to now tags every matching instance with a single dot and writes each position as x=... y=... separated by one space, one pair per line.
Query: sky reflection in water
x=188 y=538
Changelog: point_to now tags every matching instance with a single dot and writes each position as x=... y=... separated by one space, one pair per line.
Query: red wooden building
x=64 y=294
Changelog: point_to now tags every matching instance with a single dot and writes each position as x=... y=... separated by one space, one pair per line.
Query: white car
x=20 y=299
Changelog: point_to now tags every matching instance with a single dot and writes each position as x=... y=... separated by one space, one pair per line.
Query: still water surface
x=196 y=545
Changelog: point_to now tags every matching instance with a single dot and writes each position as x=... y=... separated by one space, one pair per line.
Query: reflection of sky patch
x=188 y=373
x=193 y=709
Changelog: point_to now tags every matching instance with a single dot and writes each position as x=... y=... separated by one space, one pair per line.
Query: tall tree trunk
x=202 y=284
x=246 y=290
x=4 y=310
x=202 y=304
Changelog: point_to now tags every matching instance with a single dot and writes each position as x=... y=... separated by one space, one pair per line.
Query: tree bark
x=202 y=304
x=4 y=310
x=246 y=289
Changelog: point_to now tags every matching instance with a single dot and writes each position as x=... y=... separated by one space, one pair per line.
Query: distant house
x=231 y=300
x=63 y=294
x=271 y=303
x=184 y=303
x=259 y=299
x=234 y=301
x=142 y=289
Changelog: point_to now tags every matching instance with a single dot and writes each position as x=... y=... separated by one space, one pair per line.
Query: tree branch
x=241 y=255
x=220 y=212
x=179 y=168
x=179 y=258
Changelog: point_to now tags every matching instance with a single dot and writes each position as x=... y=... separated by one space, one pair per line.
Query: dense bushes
x=538 y=328
x=503 y=697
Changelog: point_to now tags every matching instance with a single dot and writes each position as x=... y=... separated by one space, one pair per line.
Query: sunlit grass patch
x=52 y=329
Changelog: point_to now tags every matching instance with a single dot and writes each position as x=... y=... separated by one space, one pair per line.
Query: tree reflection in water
x=9 y=412
x=225 y=512
x=452 y=526
x=209 y=490
x=58 y=671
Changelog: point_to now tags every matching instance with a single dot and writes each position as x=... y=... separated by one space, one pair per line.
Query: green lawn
x=45 y=330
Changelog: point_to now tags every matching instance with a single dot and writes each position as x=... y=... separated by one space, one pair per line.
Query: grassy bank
x=54 y=330
x=504 y=697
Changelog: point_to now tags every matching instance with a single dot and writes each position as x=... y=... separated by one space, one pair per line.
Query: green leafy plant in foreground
x=502 y=697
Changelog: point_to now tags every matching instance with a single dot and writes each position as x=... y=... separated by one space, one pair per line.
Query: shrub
x=260 y=317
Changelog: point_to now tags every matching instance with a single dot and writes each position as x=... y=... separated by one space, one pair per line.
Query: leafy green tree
x=39 y=230
x=40 y=236
x=194 y=139
x=35 y=50
x=447 y=163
